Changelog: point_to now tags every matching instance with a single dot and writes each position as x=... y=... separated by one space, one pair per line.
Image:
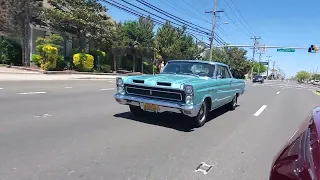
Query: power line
x=243 y=17
x=191 y=27
x=139 y=14
x=182 y=11
x=173 y=16
x=194 y=8
x=234 y=22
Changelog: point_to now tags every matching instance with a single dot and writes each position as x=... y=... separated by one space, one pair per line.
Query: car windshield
x=189 y=68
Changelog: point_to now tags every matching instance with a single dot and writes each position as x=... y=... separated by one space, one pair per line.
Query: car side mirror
x=219 y=76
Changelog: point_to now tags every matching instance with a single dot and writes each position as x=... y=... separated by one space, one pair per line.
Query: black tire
x=201 y=118
x=233 y=104
x=136 y=110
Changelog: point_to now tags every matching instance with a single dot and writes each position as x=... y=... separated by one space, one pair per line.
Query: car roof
x=200 y=61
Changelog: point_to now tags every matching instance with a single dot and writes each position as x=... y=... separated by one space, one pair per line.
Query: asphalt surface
x=75 y=130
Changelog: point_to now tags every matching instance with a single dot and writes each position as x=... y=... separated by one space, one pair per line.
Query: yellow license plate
x=150 y=107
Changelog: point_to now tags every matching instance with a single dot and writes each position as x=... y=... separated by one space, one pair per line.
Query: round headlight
x=189 y=99
x=188 y=89
x=121 y=90
x=119 y=82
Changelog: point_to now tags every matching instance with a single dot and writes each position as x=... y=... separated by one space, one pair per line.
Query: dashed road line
x=68 y=87
x=28 y=93
x=278 y=92
x=260 y=110
x=1 y=88
x=107 y=89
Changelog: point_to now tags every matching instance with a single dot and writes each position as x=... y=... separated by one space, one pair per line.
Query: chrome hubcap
x=203 y=112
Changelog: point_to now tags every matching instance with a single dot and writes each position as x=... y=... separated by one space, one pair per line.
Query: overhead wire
x=238 y=18
x=139 y=14
x=243 y=17
x=187 y=25
x=174 y=17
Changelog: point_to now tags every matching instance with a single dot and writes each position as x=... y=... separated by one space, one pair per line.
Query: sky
x=278 y=22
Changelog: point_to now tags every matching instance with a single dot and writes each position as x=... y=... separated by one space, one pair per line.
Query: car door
x=225 y=81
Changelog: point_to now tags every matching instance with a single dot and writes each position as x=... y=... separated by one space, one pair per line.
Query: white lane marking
x=260 y=110
x=42 y=115
x=27 y=93
x=107 y=89
x=110 y=81
x=68 y=87
x=1 y=88
x=278 y=92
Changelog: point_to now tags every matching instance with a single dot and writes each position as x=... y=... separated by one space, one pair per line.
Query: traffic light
x=313 y=49
x=265 y=48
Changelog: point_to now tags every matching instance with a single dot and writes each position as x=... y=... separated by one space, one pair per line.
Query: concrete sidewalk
x=34 y=77
x=11 y=74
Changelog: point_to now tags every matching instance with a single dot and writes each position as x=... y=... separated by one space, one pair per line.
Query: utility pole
x=255 y=43
x=214 y=13
x=274 y=63
x=268 y=65
x=260 y=53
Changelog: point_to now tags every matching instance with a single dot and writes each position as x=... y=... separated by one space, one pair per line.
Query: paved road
x=75 y=130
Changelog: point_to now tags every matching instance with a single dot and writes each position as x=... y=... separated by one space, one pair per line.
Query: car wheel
x=233 y=104
x=136 y=110
x=201 y=118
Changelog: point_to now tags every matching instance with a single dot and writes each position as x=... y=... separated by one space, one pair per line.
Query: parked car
x=300 y=157
x=258 y=79
x=190 y=87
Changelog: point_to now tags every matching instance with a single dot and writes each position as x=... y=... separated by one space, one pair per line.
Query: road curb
x=68 y=72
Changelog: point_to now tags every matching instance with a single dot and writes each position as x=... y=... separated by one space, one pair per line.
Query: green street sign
x=286 y=50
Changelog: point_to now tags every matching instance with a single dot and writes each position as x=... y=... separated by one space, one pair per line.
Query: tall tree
x=167 y=42
x=15 y=16
x=302 y=75
x=140 y=35
x=146 y=41
x=234 y=57
x=258 y=67
x=86 y=19
x=119 y=44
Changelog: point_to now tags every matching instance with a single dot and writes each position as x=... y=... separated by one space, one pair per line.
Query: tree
x=146 y=41
x=86 y=19
x=234 y=57
x=302 y=75
x=140 y=35
x=119 y=44
x=15 y=17
x=175 y=43
x=258 y=67
x=167 y=42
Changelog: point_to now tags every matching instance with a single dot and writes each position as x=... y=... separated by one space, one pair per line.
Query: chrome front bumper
x=164 y=106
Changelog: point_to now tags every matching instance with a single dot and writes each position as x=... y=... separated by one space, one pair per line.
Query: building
x=39 y=29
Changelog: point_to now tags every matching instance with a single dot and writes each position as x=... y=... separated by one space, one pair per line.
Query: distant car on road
x=258 y=79
x=190 y=87
x=300 y=156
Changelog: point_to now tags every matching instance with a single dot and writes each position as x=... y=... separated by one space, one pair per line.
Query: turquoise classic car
x=190 y=87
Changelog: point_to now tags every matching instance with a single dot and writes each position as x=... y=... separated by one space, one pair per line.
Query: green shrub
x=147 y=68
x=36 y=59
x=105 y=68
x=10 y=52
x=61 y=64
x=83 y=62
x=49 y=57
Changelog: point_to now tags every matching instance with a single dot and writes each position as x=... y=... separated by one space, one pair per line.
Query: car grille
x=154 y=92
